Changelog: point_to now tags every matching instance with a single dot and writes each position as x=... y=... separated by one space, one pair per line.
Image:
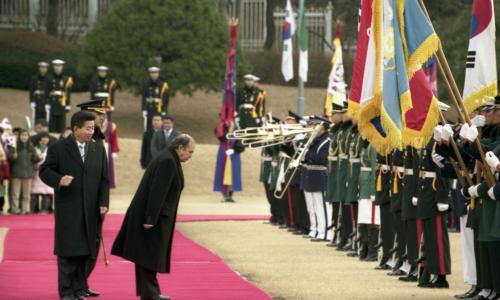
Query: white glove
x=473 y=191
x=112 y=108
x=144 y=114
x=438 y=160
x=68 y=108
x=491 y=194
x=229 y=152
x=372 y=198
x=257 y=121
x=478 y=121
x=33 y=105
x=437 y=133
x=414 y=201
x=492 y=160
x=294 y=164
x=464 y=130
x=299 y=137
x=472 y=134
x=443 y=207
x=114 y=155
x=163 y=113
x=47 y=107
x=447 y=132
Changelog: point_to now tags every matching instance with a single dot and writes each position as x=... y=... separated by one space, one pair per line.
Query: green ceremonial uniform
x=368 y=170
x=355 y=141
x=333 y=160
x=343 y=163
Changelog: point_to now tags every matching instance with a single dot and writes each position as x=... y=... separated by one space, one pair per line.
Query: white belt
x=274 y=163
x=333 y=158
x=343 y=156
x=316 y=168
x=153 y=100
x=366 y=169
x=354 y=160
x=400 y=169
x=284 y=155
x=101 y=95
x=56 y=93
x=425 y=174
x=266 y=158
x=384 y=167
x=39 y=92
x=408 y=171
x=248 y=106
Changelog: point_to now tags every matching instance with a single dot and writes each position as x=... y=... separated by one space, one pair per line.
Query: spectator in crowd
x=4 y=173
x=41 y=128
x=65 y=133
x=162 y=138
x=146 y=140
x=39 y=190
x=23 y=158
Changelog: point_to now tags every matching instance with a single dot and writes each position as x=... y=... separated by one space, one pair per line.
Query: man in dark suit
x=146 y=156
x=145 y=237
x=162 y=138
x=77 y=169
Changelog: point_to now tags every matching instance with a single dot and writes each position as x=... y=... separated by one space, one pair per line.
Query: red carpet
x=28 y=269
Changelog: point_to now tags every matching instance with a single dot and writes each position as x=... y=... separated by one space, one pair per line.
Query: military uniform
x=155 y=99
x=265 y=177
x=103 y=88
x=315 y=178
x=333 y=169
x=38 y=95
x=433 y=190
x=398 y=171
x=59 y=99
x=368 y=212
x=383 y=200
x=251 y=106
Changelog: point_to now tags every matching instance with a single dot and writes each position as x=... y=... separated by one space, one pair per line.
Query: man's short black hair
x=167 y=117
x=42 y=122
x=78 y=119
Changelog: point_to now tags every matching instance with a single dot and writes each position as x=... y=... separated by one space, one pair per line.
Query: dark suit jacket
x=158 y=142
x=77 y=212
x=146 y=148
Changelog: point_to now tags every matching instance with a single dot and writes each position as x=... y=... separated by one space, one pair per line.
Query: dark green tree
x=188 y=38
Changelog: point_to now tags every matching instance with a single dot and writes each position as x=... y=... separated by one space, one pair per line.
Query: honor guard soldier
x=251 y=103
x=155 y=96
x=368 y=211
x=59 y=93
x=398 y=171
x=103 y=87
x=38 y=92
x=383 y=200
x=266 y=172
x=334 y=132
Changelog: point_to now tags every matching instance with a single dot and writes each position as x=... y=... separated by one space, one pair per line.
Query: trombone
x=294 y=164
x=268 y=135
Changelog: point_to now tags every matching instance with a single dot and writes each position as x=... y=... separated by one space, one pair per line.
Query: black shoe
x=347 y=247
x=159 y=297
x=478 y=297
x=397 y=272
x=283 y=226
x=419 y=260
x=91 y=293
x=352 y=254
x=441 y=284
x=68 y=298
x=409 y=278
x=383 y=267
x=470 y=293
x=426 y=285
x=372 y=257
x=318 y=240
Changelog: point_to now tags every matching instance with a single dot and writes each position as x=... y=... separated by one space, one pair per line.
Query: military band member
x=155 y=96
x=314 y=178
x=265 y=176
x=368 y=212
x=38 y=92
x=59 y=97
x=251 y=103
x=103 y=87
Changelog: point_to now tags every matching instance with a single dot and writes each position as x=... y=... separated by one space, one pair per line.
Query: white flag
x=481 y=72
x=288 y=32
x=303 y=55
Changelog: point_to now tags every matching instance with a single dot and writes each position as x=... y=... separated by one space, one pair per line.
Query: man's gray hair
x=182 y=140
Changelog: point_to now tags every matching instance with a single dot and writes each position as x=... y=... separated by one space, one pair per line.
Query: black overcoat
x=77 y=212
x=155 y=202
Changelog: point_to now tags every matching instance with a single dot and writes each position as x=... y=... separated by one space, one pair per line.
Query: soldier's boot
x=34 y=208
x=372 y=254
x=46 y=204
x=412 y=275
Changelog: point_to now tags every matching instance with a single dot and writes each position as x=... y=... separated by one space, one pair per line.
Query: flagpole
x=456 y=97
x=300 y=98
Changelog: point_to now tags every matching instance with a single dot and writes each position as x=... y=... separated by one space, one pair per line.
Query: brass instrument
x=268 y=135
x=294 y=164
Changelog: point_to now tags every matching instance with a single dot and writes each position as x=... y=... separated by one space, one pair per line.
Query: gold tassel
x=379 y=181
x=395 y=189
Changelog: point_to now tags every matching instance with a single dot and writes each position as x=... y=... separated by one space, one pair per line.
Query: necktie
x=82 y=151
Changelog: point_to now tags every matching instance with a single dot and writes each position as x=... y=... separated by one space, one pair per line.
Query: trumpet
x=294 y=164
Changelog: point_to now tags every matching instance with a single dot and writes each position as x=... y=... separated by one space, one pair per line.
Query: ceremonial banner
x=481 y=72
x=365 y=93
x=336 y=90
x=432 y=77
x=288 y=32
x=228 y=167
x=420 y=42
x=303 y=45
